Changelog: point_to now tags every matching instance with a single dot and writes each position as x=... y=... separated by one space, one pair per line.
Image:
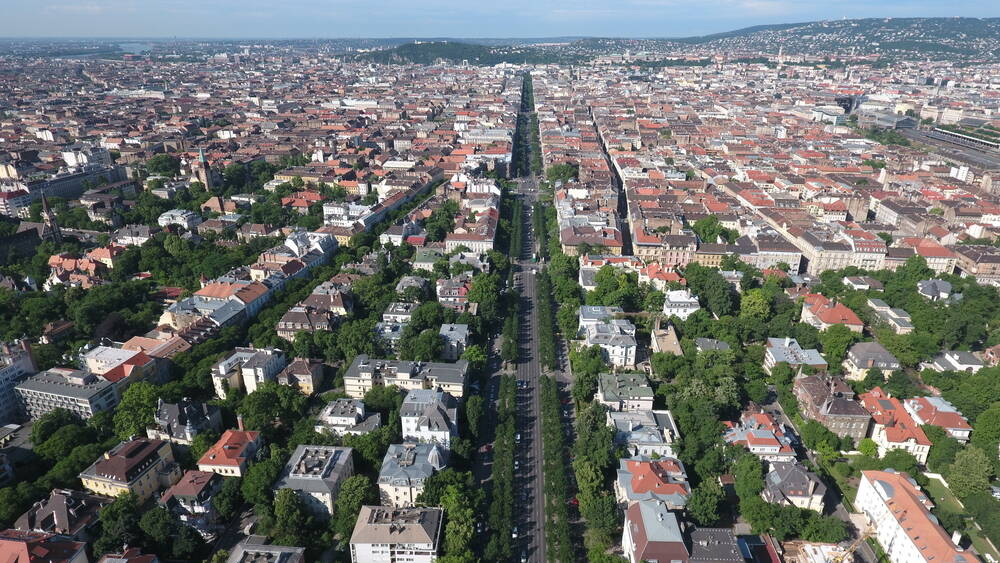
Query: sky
x=441 y=18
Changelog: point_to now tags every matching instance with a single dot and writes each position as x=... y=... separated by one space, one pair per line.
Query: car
x=574 y=501
x=517 y=437
x=524 y=557
x=513 y=532
x=517 y=465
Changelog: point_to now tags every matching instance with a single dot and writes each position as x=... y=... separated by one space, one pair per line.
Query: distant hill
x=937 y=37
x=955 y=38
x=431 y=52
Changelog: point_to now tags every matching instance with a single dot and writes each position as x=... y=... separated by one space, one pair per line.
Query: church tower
x=49 y=218
x=206 y=170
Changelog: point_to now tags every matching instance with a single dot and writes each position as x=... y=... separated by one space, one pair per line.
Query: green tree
x=271 y=407
x=136 y=410
x=291 y=518
x=51 y=421
x=163 y=165
x=356 y=492
x=868 y=447
x=704 y=502
x=970 y=474
x=944 y=448
x=256 y=484
x=64 y=440
x=475 y=410
x=119 y=524
x=229 y=499
x=835 y=341
x=755 y=304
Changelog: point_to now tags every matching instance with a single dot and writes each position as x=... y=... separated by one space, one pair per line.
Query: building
x=680 y=303
x=365 y=373
x=387 y=535
x=894 y=428
x=180 y=422
x=190 y=500
x=936 y=290
x=430 y=417
x=663 y=479
x=823 y=313
x=645 y=433
x=790 y=484
x=714 y=545
x=954 y=360
x=896 y=319
x=788 y=351
x=624 y=392
x=937 y=411
x=232 y=454
x=830 y=401
x=66 y=512
x=179 y=217
x=246 y=368
x=16 y=364
x=303 y=374
x=864 y=356
x=616 y=338
x=17 y=546
x=316 y=474
x=653 y=533
x=254 y=550
x=456 y=338
x=900 y=514
x=591 y=315
x=759 y=433
x=79 y=392
x=405 y=468
x=347 y=416
x=140 y=466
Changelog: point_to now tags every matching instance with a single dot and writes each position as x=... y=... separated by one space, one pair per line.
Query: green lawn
x=944 y=498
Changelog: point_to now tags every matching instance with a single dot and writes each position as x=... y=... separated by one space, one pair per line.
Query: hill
x=431 y=52
x=935 y=37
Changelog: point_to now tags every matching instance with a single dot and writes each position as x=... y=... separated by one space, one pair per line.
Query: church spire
x=49 y=218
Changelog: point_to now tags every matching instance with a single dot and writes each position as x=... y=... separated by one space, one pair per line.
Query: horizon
x=396 y=19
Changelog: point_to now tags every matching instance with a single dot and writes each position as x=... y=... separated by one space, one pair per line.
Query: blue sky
x=441 y=18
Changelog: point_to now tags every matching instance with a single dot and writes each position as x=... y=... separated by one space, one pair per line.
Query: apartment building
x=316 y=474
x=387 y=535
x=140 y=466
x=364 y=373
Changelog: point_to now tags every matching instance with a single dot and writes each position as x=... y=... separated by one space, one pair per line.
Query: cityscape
x=728 y=297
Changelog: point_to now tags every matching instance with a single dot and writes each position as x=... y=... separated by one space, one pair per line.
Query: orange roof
x=231 y=449
x=911 y=508
x=889 y=412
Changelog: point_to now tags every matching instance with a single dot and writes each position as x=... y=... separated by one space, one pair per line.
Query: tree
x=873 y=378
x=51 y=421
x=475 y=410
x=119 y=524
x=868 y=447
x=986 y=430
x=291 y=518
x=425 y=347
x=136 y=409
x=943 y=450
x=64 y=440
x=755 y=304
x=971 y=473
x=159 y=526
x=163 y=165
x=256 y=484
x=272 y=406
x=704 y=502
x=229 y=498
x=901 y=460
x=356 y=492
x=835 y=341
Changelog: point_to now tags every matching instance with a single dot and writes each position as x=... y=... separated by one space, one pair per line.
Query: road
x=530 y=502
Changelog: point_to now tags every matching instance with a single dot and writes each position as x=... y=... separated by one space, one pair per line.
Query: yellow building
x=141 y=466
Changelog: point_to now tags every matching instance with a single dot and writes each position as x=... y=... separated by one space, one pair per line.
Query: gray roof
x=410 y=463
x=788 y=350
x=316 y=469
x=624 y=386
x=661 y=524
x=436 y=410
x=385 y=525
x=872 y=351
x=51 y=382
x=452 y=373
x=710 y=344
x=253 y=550
x=714 y=545
x=787 y=480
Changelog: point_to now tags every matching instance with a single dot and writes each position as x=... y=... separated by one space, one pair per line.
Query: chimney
x=239 y=422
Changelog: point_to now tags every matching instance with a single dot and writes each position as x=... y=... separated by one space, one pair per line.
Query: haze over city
x=442 y=18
